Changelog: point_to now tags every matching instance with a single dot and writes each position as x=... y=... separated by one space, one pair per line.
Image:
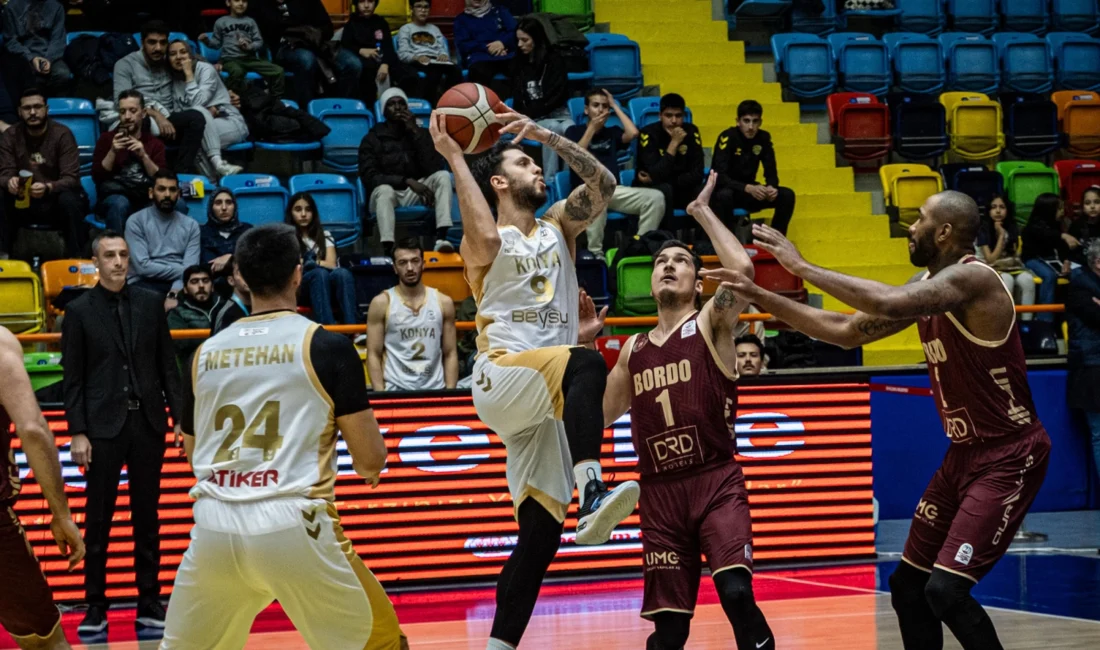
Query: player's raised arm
x=480 y=241
x=616 y=397
x=723 y=309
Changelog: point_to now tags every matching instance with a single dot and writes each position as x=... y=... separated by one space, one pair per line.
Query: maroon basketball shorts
x=705 y=512
x=27 y=611
x=975 y=503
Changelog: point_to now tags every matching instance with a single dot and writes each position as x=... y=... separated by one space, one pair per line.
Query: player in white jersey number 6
x=534 y=383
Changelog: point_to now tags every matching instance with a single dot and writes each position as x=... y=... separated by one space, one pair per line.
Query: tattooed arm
x=721 y=311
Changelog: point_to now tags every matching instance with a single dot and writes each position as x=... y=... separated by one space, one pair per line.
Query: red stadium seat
x=1075 y=176
x=860 y=124
x=610 y=347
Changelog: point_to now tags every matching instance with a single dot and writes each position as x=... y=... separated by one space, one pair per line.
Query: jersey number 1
x=666 y=406
x=268 y=418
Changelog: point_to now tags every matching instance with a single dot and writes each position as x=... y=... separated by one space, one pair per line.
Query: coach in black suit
x=120 y=370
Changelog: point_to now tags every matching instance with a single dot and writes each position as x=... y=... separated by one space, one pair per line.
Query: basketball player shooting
x=533 y=385
x=270 y=392
x=679 y=381
x=995 y=466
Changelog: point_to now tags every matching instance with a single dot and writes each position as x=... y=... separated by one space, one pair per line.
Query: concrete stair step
x=645 y=12
x=704 y=73
x=671 y=53
x=836 y=229
x=788 y=134
x=833 y=179
x=876 y=253
x=810 y=156
x=818 y=205
x=887 y=352
x=719 y=90
x=774 y=113
x=894 y=273
x=659 y=30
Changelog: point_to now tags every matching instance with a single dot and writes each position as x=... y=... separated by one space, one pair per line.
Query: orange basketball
x=471 y=117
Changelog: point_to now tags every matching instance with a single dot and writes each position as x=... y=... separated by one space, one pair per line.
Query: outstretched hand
x=589 y=322
x=737 y=282
x=701 y=205
x=522 y=127
x=778 y=245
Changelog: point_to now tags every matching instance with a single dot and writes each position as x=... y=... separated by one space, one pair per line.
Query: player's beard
x=407 y=283
x=924 y=250
x=529 y=197
x=670 y=298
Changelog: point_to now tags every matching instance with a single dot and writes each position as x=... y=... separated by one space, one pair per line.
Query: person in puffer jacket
x=197 y=305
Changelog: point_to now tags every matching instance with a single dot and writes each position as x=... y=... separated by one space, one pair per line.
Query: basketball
x=471 y=118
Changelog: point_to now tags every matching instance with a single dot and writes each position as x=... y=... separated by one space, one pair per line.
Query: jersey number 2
x=269 y=441
x=418 y=352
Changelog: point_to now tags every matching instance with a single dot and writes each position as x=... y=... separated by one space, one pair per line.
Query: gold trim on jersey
x=672 y=331
x=548 y=362
x=974 y=339
x=958 y=573
x=730 y=566
x=708 y=338
x=325 y=487
x=269 y=316
x=33 y=640
x=666 y=609
x=915 y=565
x=556 y=508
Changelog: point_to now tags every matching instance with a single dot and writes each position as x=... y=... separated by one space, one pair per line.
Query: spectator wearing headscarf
x=219 y=235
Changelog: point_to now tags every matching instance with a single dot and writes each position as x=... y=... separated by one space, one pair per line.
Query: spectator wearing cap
x=399 y=166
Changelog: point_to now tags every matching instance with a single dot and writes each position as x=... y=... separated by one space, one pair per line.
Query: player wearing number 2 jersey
x=269 y=394
x=998 y=458
x=680 y=383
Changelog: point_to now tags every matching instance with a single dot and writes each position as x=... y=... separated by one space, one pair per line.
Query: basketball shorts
x=975 y=503
x=243 y=556
x=704 y=513
x=27 y=611
x=518 y=395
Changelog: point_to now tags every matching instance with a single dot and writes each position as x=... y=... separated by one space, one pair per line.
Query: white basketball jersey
x=264 y=426
x=414 y=344
x=528 y=297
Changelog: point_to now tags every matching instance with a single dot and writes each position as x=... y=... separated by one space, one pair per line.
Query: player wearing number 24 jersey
x=998 y=458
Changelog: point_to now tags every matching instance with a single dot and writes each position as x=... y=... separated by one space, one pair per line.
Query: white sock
x=216 y=161
x=497 y=644
x=584 y=472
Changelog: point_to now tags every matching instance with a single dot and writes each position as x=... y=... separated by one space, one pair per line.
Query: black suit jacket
x=97 y=381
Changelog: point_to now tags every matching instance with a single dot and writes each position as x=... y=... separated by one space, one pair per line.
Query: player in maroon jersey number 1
x=27 y=611
x=679 y=381
x=977 y=499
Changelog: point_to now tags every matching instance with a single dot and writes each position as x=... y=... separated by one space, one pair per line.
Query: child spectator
x=239 y=39
x=322 y=279
x=1046 y=248
x=421 y=45
x=486 y=39
x=368 y=36
x=997 y=240
x=1086 y=227
x=540 y=86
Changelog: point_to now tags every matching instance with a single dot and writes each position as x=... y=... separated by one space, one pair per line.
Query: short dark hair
x=33 y=91
x=749 y=107
x=413 y=2
x=166 y=174
x=676 y=243
x=104 y=234
x=672 y=100
x=593 y=92
x=131 y=94
x=267 y=256
x=154 y=27
x=409 y=244
x=487 y=165
x=750 y=338
x=196 y=269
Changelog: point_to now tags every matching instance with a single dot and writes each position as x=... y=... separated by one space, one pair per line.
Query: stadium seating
x=804 y=65
x=974 y=125
x=349 y=120
x=172 y=36
x=634 y=296
x=863 y=62
x=580 y=12
x=973 y=15
x=976 y=181
x=1079 y=114
x=919 y=126
x=592 y=276
x=80 y=116
x=921 y=16
x=860 y=125
x=644 y=111
x=616 y=64
x=1025 y=180
x=822 y=24
x=755 y=9
x=444 y=272
x=290 y=147
x=1026 y=65
x=1076 y=60
x=72 y=36
x=337 y=204
x=972 y=62
x=1074 y=177
x=906 y=187
x=1030 y=125
x=261 y=198
x=420 y=108
x=1075 y=15
x=1025 y=15
x=20 y=299
x=197 y=207
x=917 y=62
x=60 y=274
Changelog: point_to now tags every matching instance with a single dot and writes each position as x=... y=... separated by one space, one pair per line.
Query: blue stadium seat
x=80 y=116
x=172 y=36
x=644 y=111
x=592 y=277
x=337 y=204
x=821 y=24
x=407 y=213
x=1075 y=16
x=976 y=181
x=1076 y=60
x=292 y=147
x=420 y=108
x=921 y=16
x=920 y=126
x=804 y=63
x=918 y=62
x=89 y=188
x=755 y=9
x=213 y=55
x=863 y=62
x=973 y=15
x=1030 y=125
x=197 y=208
x=261 y=198
x=349 y=120
x=1030 y=16
x=1026 y=65
x=972 y=62
x=615 y=63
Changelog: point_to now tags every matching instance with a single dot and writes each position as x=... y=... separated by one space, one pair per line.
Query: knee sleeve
x=583 y=385
x=734 y=587
x=671 y=631
x=946 y=591
x=907 y=584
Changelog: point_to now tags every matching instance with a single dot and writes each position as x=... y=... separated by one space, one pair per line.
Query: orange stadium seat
x=1079 y=113
x=444 y=271
x=59 y=274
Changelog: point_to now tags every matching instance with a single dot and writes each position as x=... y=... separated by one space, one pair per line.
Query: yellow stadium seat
x=14 y=265
x=974 y=125
x=444 y=271
x=21 y=302
x=59 y=274
x=906 y=187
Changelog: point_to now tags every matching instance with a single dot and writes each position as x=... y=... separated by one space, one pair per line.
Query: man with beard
x=238 y=305
x=195 y=311
x=411 y=330
x=124 y=163
x=48 y=150
x=534 y=383
x=679 y=381
x=399 y=167
x=147 y=72
x=995 y=466
x=162 y=242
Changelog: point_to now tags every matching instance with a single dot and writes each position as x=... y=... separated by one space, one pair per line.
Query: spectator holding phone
x=34 y=46
x=1046 y=248
x=124 y=163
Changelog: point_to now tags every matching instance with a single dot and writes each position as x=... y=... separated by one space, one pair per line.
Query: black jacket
x=373 y=32
x=97 y=378
x=1043 y=241
x=220 y=239
x=303 y=13
x=684 y=170
x=1083 y=318
x=391 y=153
x=737 y=160
x=539 y=88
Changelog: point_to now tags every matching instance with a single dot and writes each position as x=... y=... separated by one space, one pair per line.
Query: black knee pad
x=734 y=587
x=671 y=631
x=945 y=591
x=907 y=585
x=585 y=361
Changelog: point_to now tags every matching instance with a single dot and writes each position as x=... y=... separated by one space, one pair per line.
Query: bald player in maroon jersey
x=998 y=458
x=680 y=383
x=27 y=611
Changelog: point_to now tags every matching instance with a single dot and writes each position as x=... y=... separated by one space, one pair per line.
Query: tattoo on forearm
x=723 y=299
x=584 y=164
x=877 y=326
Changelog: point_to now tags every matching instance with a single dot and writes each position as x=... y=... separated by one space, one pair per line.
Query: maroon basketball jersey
x=682 y=404
x=980 y=387
x=9 y=471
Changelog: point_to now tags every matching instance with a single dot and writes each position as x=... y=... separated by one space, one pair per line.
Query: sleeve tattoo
x=599 y=183
x=723 y=299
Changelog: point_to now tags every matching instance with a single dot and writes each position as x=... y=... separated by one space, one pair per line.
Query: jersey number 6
x=269 y=441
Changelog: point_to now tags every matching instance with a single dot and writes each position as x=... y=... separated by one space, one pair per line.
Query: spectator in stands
x=7 y=110
x=367 y=35
x=237 y=306
x=298 y=32
x=146 y=71
x=198 y=85
x=240 y=41
x=48 y=151
x=737 y=157
x=1086 y=226
x=1083 y=317
x=604 y=142
x=163 y=242
x=751 y=360
x=997 y=240
x=486 y=39
x=540 y=86
x=670 y=158
x=195 y=310
x=422 y=46
x=399 y=166
x=124 y=163
x=34 y=46
x=1046 y=248
x=219 y=235
x=322 y=279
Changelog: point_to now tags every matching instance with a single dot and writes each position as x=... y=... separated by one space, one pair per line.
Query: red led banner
x=442 y=512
